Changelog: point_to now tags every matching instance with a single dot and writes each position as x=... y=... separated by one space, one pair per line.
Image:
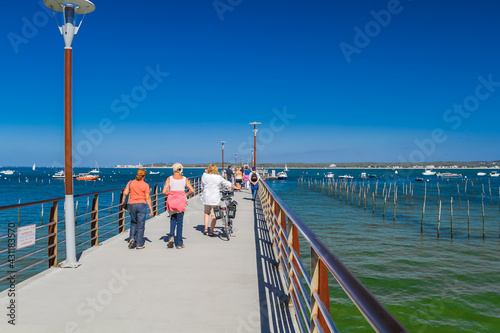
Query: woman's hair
x=177 y=167
x=246 y=167
x=141 y=173
x=212 y=169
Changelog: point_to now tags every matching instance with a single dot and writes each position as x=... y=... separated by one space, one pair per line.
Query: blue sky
x=331 y=81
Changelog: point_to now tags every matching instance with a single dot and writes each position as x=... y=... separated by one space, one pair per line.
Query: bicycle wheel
x=227 y=227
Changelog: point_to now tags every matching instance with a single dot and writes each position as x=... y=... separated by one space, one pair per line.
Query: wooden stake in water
x=439 y=193
x=482 y=204
x=373 y=204
x=112 y=198
x=458 y=192
x=87 y=211
x=423 y=209
x=468 y=219
x=439 y=217
x=395 y=201
x=451 y=216
x=491 y=197
x=41 y=222
x=76 y=210
x=385 y=200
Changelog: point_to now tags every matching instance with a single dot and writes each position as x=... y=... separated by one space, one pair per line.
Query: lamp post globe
x=69 y=28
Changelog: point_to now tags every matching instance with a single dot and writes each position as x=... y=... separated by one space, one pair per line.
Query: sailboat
x=286 y=168
x=96 y=170
x=34 y=166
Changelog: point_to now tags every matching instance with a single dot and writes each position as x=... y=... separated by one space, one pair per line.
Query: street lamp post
x=251 y=157
x=254 y=160
x=223 y=142
x=70 y=9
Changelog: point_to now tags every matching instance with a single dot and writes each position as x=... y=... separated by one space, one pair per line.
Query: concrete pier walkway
x=212 y=285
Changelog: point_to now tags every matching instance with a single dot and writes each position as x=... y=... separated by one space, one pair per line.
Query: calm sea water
x=430 y=284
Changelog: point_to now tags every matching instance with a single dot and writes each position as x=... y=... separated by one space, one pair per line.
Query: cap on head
x=141 y=172
x=253 y=168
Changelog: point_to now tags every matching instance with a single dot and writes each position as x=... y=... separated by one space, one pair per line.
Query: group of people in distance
x=250 y=179
x=175 y=191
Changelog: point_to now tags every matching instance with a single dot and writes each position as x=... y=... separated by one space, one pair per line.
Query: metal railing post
x=94 y=224
x=155 y=201
x=319 y=285
x=52 y=240
x=121 y=214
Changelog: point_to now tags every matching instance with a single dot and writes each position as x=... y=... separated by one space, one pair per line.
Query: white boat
x=346 y=177
x=286 y=168
x=396 y=172
x=96 y=170
x=34 y=167
x=7 y=172
x=329 y=175
x=363 y=175
x=481 y=174
x=58 y=175
x=429 y=172
x=282 y=175
x=494 y=174
x=154 y=172
x=449 y=175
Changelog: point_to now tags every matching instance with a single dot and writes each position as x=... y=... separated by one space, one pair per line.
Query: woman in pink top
x=175 y=190
x=139 y=197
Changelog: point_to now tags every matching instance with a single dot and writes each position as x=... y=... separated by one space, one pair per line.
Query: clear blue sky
x=331 y=81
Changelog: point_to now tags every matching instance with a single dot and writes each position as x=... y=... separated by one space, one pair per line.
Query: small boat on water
x=282 y=175
x=7 y=172
x=154 y=172
x=481 y=174
x=329 y=175
x=96 y=170
x=449 y=175
x=429 y=172
x=34 y=166
x=286 y=168
x=494 y=174
x=86 y=176
x=346 y=177
x=419 y=179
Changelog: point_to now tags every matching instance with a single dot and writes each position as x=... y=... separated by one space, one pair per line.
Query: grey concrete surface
x=212 y=285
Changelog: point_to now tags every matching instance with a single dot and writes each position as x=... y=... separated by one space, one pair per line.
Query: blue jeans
x=137 y=222
x=176 y=221
x=254 y=189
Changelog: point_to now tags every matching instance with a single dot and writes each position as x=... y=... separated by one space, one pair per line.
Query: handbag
x=126 y=204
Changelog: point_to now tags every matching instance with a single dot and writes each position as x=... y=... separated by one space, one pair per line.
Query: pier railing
x=310 y=292
x=101 y=220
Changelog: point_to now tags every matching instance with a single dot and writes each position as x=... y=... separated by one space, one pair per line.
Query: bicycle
x=228 y=210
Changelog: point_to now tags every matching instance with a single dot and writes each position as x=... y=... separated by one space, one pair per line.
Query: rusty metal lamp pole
x=69 y=9
x=223 y=142
x=255 y=130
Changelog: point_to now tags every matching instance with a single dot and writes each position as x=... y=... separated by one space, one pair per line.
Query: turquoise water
x=430 y=284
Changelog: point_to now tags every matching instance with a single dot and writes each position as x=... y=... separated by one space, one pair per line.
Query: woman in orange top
x=139 y=196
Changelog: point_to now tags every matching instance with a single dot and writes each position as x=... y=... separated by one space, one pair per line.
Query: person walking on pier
x=139 y=197
x=246 y=178
x=254 y=183
x=211 y=182
x=238 y=177
x=175 y=191
x=229 y=174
